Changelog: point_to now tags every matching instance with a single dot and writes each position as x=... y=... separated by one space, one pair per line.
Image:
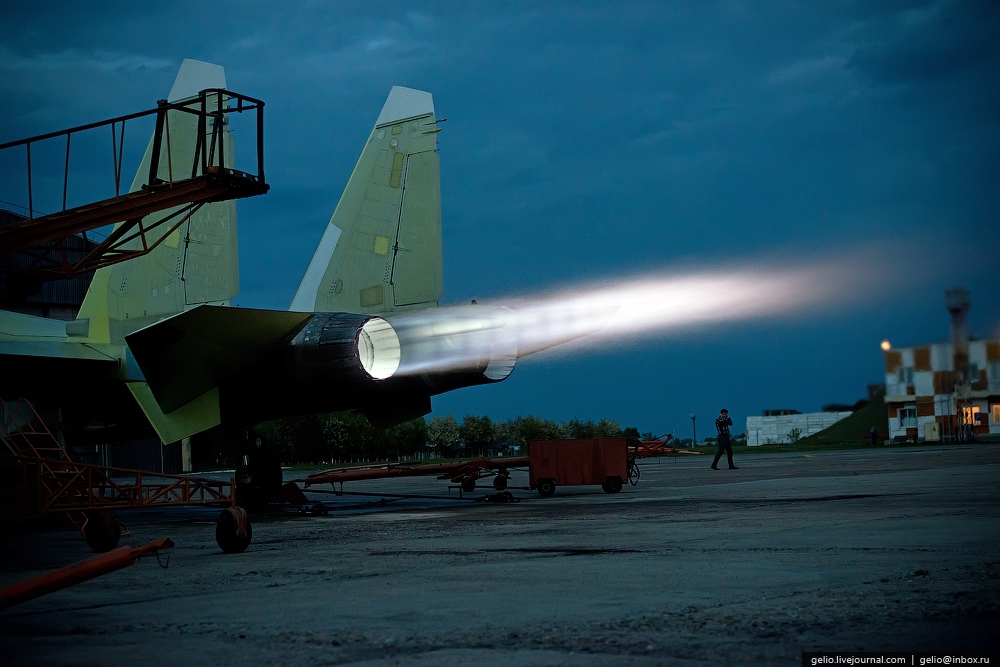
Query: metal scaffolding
x=45 y=239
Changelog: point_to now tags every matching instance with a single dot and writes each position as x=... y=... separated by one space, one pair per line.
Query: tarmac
x=883 y=549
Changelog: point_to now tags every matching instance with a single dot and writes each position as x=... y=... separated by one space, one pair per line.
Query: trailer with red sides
x=553 y=463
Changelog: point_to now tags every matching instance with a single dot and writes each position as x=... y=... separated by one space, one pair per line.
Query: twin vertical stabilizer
x=197 y=263
x=381 y=251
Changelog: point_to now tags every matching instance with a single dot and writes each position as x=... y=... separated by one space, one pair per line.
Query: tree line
x=348 y=437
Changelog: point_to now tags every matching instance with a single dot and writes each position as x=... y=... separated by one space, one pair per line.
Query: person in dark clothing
x=873 y=434
x=722 y=424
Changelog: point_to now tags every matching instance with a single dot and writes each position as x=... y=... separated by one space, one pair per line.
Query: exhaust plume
x=466 y=336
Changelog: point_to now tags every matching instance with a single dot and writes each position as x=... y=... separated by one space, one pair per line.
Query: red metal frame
x=61 y=486
x=43 y=238
x=78 y=572
x=51 y=482
x=457 y=471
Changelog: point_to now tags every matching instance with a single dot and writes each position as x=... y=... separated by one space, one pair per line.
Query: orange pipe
x=78 y=572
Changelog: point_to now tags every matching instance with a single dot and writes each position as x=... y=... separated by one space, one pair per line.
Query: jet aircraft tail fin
x=381 y=251
x=197 y=263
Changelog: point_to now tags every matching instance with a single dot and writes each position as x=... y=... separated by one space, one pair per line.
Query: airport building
x=945 y=392
x=781 y=427
x=927 y=400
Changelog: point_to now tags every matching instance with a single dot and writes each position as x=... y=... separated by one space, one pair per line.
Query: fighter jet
x=158 y=344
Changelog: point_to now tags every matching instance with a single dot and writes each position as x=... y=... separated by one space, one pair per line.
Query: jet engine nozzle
x=345 y=349
x=378 y=348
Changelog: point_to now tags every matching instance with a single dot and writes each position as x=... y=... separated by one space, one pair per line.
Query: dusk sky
x=590 y=143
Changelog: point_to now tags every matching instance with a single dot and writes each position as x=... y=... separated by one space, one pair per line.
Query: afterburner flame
x=463 y=336
x=378 y=348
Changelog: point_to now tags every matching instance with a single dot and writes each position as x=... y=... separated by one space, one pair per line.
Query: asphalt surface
x=873 y=550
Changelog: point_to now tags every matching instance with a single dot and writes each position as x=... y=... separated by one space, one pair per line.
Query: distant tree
x=406 y=438
x=631 y=433
x=795 y=435
x=442 y=432
x=349 y=436
x=607 y=428
x=303 y=440
x=478 y=433
x=574 y=429
x=505 y=433
x=522 y=430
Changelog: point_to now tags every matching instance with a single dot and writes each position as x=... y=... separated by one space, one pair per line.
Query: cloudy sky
x=591 y=143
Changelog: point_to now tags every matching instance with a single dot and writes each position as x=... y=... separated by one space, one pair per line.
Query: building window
x=973 y=372
x=907 y=418
x=970 y=415
x=905 y=375
x=996 y=413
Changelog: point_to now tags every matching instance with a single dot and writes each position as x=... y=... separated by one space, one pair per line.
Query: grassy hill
x=856 y=427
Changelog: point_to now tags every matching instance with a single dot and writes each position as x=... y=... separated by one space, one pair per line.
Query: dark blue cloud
x=932 y=41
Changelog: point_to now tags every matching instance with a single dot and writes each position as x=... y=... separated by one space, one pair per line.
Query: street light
x=694 y=431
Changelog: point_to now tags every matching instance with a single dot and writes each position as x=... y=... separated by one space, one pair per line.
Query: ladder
x=25 y=434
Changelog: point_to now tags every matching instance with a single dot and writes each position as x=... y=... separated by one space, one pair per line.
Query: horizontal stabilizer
x=188 y=354
x=196 y=416
x=29 y=336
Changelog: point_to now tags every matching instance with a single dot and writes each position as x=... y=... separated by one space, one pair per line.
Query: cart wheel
x=612 y=485
x=546 y=487
x=469 y=484
x=102 y=531
x=499 y=482
x=233 y=531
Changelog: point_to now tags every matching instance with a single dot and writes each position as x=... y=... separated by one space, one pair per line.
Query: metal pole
x=694 y=431
x=66 y=172
x=154 y=161
x=114 y=157
x=260 y=142
x=31 y=208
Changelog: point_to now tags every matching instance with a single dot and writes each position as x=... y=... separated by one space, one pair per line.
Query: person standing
x=873 y=435
x=722 y=424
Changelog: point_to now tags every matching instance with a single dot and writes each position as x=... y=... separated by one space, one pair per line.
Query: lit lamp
x=885 y=346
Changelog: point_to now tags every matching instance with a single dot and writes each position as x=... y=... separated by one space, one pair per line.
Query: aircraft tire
x=102 y=531
x=500 y=483
x=546 y=487
x=612 y=485
x=469 y=484
x=227 y=530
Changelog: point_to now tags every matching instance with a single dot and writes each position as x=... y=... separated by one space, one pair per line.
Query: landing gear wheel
x=612 y=485
x=469 y=484
x=102 y=531
x=233 y=532
x=500 y=483
x=546 y=487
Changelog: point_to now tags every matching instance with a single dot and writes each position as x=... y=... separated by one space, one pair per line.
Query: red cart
x=554 y=463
